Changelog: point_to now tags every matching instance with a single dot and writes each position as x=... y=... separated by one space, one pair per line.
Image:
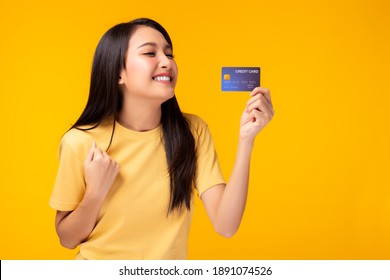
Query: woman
x=129 y=165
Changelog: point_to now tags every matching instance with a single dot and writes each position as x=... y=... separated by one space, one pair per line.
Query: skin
x=149 y=55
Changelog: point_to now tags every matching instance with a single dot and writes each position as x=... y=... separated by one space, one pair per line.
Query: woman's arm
x=225 y=205
x=73 y=227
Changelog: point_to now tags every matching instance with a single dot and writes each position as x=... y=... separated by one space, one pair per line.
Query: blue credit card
x=240 y=78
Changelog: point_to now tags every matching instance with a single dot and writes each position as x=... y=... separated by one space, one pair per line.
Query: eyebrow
x=153 y=45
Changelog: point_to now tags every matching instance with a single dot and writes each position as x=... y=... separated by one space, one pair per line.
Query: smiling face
x=151 y=72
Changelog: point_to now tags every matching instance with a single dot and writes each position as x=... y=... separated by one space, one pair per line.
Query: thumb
x=90 y=153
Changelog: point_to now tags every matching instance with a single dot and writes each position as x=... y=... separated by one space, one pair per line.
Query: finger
x=90 y=153
x=266 y=109
x=255 y=91
x=263 y=91
x=255 y=102
x=105 y=155
x=252 y=116
x=252 y=100
x=262 y=105
x=267 y=95
x=254 y=105
x=98 y=154
x=258 y=90
x=257 y=116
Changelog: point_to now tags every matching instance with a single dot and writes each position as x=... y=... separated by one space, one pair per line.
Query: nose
x=165 y=62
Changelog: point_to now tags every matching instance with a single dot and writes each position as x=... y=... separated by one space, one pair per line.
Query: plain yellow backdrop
x=320 y=183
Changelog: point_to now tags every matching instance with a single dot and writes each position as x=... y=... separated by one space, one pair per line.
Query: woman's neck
x=140 y=115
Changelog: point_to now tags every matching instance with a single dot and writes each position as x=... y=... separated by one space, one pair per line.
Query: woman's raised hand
x=257 y=114
x=100 y=172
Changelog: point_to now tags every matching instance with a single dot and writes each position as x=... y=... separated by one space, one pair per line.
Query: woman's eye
x=171 y=56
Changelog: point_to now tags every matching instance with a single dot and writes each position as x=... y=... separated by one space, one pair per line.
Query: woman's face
x=151 y=72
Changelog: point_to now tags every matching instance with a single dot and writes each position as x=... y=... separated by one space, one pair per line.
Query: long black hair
x=105 y=102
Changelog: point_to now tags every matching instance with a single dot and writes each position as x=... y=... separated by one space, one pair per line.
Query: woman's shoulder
x=198 y=126
x=195 y=121
x=75 y=136
x=83 y=137
x=75 y=140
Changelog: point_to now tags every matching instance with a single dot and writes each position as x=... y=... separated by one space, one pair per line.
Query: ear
x=121 y=80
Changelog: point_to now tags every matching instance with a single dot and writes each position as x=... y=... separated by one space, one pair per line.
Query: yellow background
x=320 y=184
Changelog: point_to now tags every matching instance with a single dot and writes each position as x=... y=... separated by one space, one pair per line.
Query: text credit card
x=240 y=78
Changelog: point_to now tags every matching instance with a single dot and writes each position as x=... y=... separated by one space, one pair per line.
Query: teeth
x=162 y=78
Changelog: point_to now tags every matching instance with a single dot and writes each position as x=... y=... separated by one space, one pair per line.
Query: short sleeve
x=69 y=186
x=208 y=170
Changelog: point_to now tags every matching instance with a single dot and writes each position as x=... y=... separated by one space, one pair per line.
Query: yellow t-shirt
x=133 y=221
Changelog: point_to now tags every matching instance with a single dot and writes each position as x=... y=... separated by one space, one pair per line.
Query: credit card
x=240 y=78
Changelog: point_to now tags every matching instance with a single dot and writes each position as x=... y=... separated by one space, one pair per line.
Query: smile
x=162 y=78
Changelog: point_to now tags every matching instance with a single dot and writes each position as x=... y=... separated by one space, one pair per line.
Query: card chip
x=226 y=77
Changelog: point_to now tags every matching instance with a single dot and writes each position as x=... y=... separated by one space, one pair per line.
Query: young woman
x=130 y=164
